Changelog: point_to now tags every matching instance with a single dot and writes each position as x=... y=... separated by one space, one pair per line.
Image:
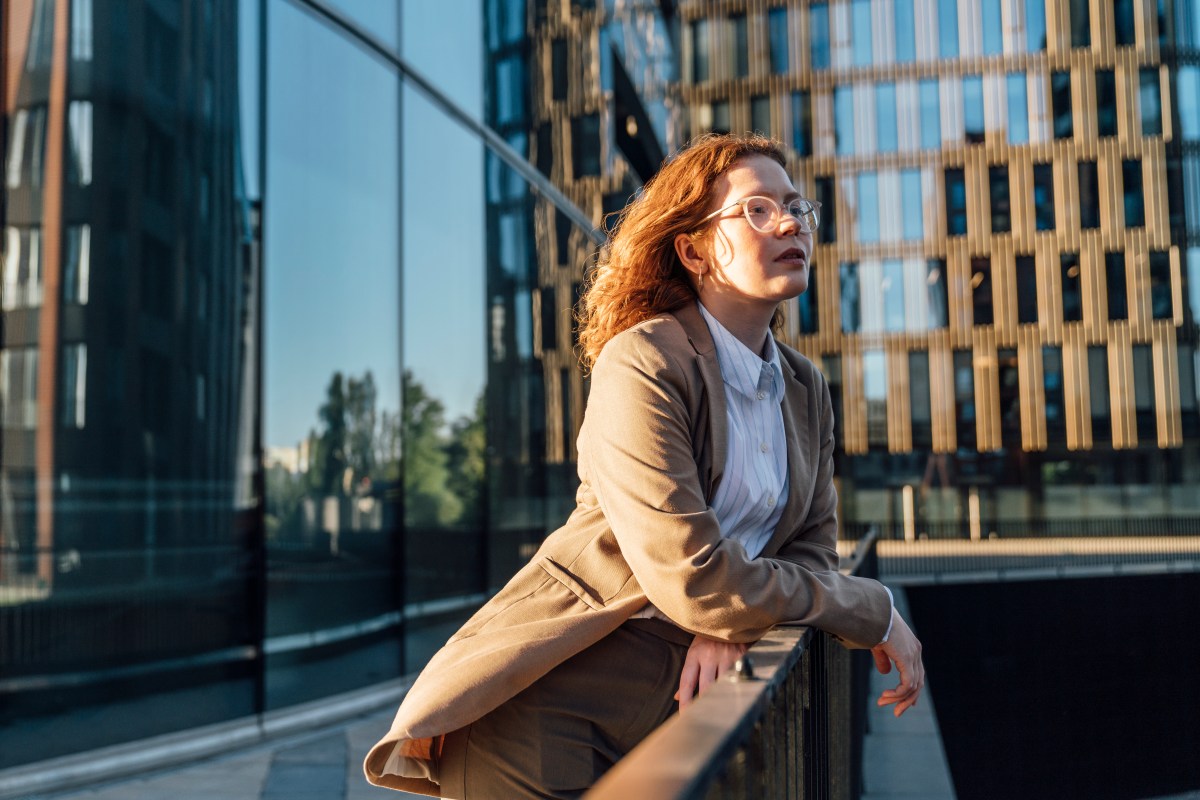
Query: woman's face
x=749 y=268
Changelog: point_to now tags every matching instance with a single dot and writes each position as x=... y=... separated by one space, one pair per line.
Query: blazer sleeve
x=636 y=453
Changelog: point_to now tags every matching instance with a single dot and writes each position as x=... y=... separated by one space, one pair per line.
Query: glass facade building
x=287 y=371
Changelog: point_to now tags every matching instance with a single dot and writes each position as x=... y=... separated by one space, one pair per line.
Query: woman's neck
x=751 y=329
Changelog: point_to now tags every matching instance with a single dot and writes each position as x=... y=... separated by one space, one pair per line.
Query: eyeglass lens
x=763 y=214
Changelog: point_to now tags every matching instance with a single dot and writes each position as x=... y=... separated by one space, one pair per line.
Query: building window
x=956 y=203
x=1081 y=23
x=818 y=25
x=875 y=391
x=868 y=207
x=1043 y=196
x=77 y=265
x=1035 y=25
x=806 y=305
x=760 y=114
x=1027 y=290
x=843 y=119
x=1135 y=212
x=1123 y=21
x=562 y=237
x=906 y=32
x=721 y=122
x=585 y=144
x=1143 y=392
x=981 y=291
x=848 y=286
x=1060 y=100
x=27 y=147
x=41 y=35
x=931 y=119
x=918 y=399
x=741 y=46
x=1114 y=279
x=1018 y=108
x=993 y=28
x=802 y=123
x=964 y=399
x=1089 y=196
x=1106 y=103
x=910 y=192
x=823 y=187
x=22 y=268
x=1001 y=213
x=1052 y=383
x=972 y=86
x=1101 y=407
x=1072 y=293
x=937 y=300
x=81 y=30
x=860 y=28
x=74 y=386
x=948 y=28
x=893 y=296
x=700 y=51
x=1151 y=101
x=885 y=117
x=777 y=26
x=558 y=75
x=1188 y=79
x=1161 y=305
x=18 y=387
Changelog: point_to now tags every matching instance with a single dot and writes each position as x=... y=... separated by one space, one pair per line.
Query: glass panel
x=1135 y=215
x=1106 y=103
x=1001 y=214
x=1150 y=100
x=993 y=29
x=720 y=117
x=331 y=361
x=1018 y=108
x=1193 y=279
x=824 y=191
x=1160 y=286
x=948 y=28
x=937 y=296
x=380 y=19
x=1089 y=196
x=875 y=383
x=906 y=32
x=931 y=122
x=1189 y=113
x=843 y=119
x=981 y=291
x=1081 y=26
x=700 y=50
x=1123 y=23
x=910 y=190
x=760 y=114
x=1027 y=290
x=1043 y=196
x=802 y=125
x=1143 y=394
x=777 y=28
x=868 y=207
x=1114 y=270
x=849 y=297
x=1060 y=98
x=818 y=21
x=1010 y=398
x=1098 y=389
x=585 y=145
x=806 y=305
x=1035 y=25
x=973 y=108
x=885 y=117
x=919 y=399
x=956 y=203
x=1052 y=382
x=860 y=11
x=964 y=399
x=740 y=50
x=1072 y=292
x=893 y=296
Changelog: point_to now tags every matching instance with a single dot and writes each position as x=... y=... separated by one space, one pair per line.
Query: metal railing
x=792 y=729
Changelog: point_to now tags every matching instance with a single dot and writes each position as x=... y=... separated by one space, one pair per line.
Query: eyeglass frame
x=780 y=212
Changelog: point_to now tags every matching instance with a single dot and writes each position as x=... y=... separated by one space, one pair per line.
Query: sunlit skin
x=746 y=275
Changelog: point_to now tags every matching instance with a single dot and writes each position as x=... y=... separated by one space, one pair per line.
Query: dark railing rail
x=793 y=729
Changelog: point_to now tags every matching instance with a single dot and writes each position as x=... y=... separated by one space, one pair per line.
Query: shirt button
x=771 y=502
x=762 y=395
x=763 y=447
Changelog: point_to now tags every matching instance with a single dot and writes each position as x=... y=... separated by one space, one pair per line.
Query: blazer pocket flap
x=560 y=574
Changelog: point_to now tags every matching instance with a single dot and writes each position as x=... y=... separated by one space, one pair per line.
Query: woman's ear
x=690 y=255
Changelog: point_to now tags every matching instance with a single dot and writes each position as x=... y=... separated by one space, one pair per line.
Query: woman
x=705 y=513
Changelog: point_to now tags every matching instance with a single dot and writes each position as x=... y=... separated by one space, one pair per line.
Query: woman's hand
x=903 y=648
x=707 y=659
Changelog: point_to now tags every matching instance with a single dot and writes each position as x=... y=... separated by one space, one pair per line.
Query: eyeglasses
x=765 y=215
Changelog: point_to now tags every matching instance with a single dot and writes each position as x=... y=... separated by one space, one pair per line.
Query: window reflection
x=956 y=202
x=777 y=31
x=973 y=122
x=919 y=399
x=1027 y=290
x=1131 y=174
x=860 y=11
x=740 y=49
x=1123 y=23
x=823 y=190
x=1035 y=25
x=1089 y=195
x=1052 y=383
x=1043 y=196
x=875 y=386
x=1160 y=286
x=1081 y=23
x=947 y=20
x=912 y=200
x=885 y=117
x=818 y=25
x=993 y=29
x=843 y=119
x=893 y=296
x=938 y=298
x=1101 y=408
x=931 y=124
x=868 y=207
x=1001 y=214
x=1018 y=108
x=1060 y=100
x=981 y=291
x=760 y=114
x=1188 y=80
x=848 y=296
x=1106 y=103
x=1150 y=101
x=700 y=51
x=1072 y=291
x=964 y=399
x=1114 y=271
x=802 y=124
x=906 y=32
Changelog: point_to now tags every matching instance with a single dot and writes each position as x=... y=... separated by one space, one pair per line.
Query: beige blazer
x=651 y=452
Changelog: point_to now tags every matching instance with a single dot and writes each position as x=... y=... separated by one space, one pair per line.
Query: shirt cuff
x=891 y=616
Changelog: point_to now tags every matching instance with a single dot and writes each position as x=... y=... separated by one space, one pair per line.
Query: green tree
x=467 y=461
x=428 y=499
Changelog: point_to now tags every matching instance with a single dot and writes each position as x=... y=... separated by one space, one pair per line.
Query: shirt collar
x=741 y=368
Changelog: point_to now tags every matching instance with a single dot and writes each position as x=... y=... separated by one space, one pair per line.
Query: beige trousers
x=556 y=738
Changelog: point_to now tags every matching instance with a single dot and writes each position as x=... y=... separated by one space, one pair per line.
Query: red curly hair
x=638 y=273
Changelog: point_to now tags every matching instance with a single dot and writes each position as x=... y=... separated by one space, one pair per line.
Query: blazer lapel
x=714 y=387
x=799 y=465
